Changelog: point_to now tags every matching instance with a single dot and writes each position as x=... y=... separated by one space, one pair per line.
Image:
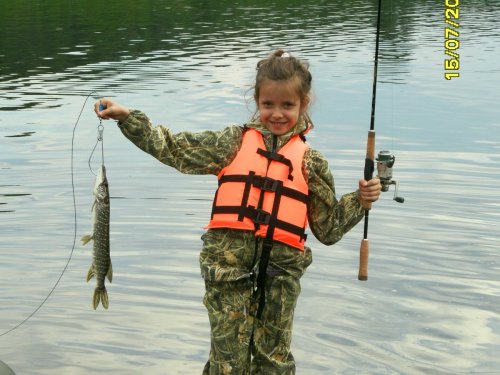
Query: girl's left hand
x=370 y=190
x=112 y=110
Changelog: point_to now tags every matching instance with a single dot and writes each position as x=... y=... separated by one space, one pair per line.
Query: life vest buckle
x=261 y=217
x=270 y=184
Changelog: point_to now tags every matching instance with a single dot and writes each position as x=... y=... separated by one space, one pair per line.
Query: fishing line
x=75 y=221
x=391 y=19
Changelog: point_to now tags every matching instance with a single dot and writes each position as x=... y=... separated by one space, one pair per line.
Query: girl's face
x=279 y=105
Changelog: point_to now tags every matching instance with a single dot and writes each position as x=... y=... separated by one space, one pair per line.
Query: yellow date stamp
x=451 y=39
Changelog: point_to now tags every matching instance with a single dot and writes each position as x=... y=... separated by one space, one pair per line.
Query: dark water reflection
x=87 y=45
x=431 y=304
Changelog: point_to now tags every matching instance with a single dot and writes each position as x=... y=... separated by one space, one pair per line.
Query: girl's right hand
x=111 y=110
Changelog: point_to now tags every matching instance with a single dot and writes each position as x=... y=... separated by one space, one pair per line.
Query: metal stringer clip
x=100 y=139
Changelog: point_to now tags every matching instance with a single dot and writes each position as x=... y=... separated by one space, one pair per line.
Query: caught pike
x=101 y=262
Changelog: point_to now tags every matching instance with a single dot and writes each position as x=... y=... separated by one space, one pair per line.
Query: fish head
x=101 y=189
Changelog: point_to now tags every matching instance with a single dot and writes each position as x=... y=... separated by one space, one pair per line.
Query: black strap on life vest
x=267 y=246
x=246 y=192
x=274 y=156
x=257 y=215
x=264 y=183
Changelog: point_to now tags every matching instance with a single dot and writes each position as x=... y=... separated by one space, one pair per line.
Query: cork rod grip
x=363 y=260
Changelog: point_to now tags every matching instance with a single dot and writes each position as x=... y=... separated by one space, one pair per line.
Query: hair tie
x=285 y=54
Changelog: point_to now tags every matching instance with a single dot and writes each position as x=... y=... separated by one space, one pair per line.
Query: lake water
x=431 y=304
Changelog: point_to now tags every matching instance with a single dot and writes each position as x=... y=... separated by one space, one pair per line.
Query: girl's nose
x=277 y=113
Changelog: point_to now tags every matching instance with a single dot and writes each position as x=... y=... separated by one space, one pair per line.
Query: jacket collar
x=302 y=126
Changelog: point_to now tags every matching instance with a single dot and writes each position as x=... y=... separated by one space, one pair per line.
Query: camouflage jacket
x=228 y=254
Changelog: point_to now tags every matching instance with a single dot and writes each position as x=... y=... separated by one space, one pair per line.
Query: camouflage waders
x=241 y=344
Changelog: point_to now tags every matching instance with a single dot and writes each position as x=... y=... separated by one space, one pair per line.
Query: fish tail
x=87 y=238
x=100 y=295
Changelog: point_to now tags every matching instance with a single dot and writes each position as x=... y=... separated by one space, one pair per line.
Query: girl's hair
x=280 y=66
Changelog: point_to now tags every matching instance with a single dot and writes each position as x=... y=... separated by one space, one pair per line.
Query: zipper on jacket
x=274 y=146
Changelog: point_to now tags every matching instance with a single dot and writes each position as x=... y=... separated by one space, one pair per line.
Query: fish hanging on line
x=101 y=261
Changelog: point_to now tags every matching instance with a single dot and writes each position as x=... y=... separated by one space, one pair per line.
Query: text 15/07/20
x=451 y=41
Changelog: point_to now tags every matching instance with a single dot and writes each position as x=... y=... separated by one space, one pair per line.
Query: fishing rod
x=385 y=161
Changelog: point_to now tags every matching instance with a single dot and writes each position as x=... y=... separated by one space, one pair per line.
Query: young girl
x=271 y=186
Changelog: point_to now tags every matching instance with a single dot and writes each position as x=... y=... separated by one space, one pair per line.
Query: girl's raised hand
x=111 y=110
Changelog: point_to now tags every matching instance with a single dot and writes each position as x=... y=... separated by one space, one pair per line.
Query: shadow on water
x=23 y=134
x=9 y=196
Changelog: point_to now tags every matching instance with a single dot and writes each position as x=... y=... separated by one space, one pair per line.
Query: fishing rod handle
x=369 y=164
x=363 y=260
x=367 y=205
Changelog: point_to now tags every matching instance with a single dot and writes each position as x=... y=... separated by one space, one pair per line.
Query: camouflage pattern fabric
x=231 y=306
x=229 y=256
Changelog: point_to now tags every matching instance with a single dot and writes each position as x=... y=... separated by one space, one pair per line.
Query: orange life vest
x=264 y=191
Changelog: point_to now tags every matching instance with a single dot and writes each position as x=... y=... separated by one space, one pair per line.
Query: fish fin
x=91 y=272
x=100 y=295
x=87 y=238
x=104 y=299
x=110 y=272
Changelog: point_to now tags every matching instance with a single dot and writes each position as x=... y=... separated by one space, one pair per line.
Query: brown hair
x=280 y=66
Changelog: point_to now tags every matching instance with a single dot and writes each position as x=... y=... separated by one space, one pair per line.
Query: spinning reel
x=385 y=161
